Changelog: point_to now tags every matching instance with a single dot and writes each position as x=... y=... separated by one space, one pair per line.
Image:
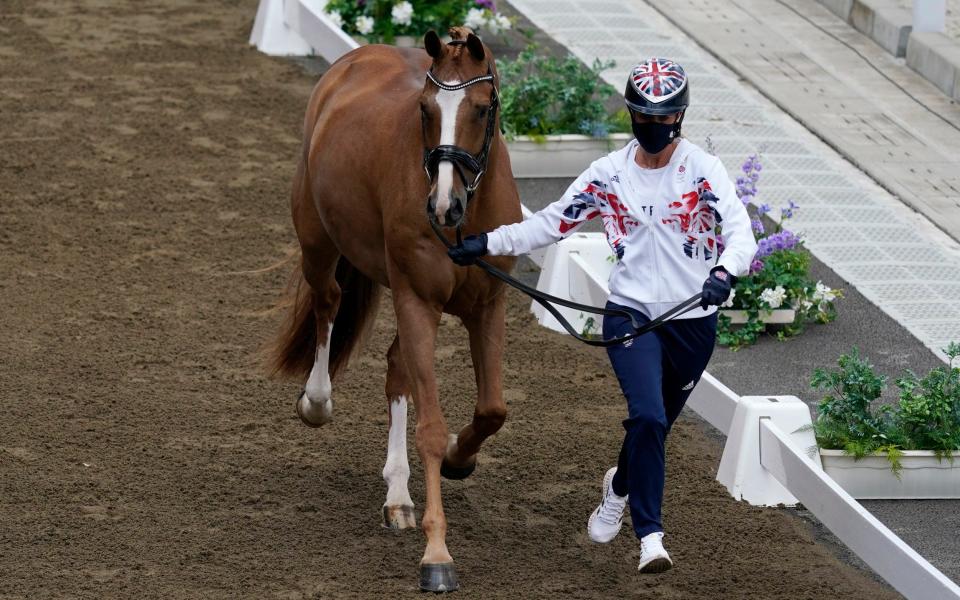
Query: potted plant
x=554 y=116
x=778 y=288
x=902 y=450
x=404 y=22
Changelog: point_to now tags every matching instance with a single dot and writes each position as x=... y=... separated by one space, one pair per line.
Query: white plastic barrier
x=888 y=555
x=298 y=28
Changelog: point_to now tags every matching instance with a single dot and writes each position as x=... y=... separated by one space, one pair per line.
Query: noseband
x=457 y=156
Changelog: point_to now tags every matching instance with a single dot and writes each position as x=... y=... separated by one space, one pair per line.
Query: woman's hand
x=472 y=248
x=716 y=289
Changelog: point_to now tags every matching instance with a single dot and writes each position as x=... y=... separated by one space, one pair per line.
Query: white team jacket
x=665 y=239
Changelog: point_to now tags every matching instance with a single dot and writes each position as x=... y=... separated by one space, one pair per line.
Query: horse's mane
x=458 y=34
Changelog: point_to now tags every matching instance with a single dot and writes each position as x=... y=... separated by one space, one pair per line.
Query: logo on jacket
x=593 y=200
x=695 y=216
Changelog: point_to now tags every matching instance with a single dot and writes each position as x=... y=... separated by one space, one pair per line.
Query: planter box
x=564 y=155
x=870 y=478
x=780 y=316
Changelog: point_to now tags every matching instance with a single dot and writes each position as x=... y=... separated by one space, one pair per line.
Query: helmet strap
x=678 y=124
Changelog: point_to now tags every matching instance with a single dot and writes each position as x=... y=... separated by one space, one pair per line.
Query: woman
x=663 y=201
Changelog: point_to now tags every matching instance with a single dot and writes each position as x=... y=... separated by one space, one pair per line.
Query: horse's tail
x=359 y=298
x=294 y=352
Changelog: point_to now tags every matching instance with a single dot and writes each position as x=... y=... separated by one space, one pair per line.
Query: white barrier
x=298 y=28
x=889 y=556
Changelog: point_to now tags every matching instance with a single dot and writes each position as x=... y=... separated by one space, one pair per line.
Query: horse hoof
x=439 y=578
x=399 y=517
x=450 y=472
x=313 y=414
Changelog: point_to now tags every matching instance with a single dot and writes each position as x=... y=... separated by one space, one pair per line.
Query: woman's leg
x=640 y=470
x=687 y=345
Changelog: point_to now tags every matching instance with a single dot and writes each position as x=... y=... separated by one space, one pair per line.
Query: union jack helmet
x=657 y=86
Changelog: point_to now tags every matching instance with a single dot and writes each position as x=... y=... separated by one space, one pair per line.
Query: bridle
x=456 y=155
x=461 y=159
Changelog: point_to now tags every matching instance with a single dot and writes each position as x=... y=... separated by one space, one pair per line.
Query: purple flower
x=786 y=213
x=756 y=266
x=488 y=4
x=784 y=240
x=763 y=209
x=757 y=226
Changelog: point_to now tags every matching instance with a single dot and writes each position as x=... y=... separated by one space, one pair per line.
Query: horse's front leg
x=486 y=329
x=417 y=323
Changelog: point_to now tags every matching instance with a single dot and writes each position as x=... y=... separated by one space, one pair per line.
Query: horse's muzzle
x=454 y=214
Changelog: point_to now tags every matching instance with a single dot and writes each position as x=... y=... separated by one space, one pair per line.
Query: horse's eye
x=482 y=111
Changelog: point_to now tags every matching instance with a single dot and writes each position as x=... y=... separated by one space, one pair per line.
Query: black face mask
x=654 y=137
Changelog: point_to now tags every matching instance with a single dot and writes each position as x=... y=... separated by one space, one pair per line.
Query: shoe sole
x=657 y=565
x=607 y=482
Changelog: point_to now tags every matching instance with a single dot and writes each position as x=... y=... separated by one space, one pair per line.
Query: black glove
x=467 y=253
x=716 y=289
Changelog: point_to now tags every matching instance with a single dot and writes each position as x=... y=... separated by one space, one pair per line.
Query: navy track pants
x=657 y=372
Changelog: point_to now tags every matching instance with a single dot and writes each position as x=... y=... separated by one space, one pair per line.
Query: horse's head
x=458 y=108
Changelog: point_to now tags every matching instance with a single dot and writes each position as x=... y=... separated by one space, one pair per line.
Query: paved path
x=896 y=257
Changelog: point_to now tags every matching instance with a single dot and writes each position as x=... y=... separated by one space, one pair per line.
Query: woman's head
x=657 y=96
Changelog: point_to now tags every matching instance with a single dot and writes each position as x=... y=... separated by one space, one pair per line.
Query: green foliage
x=438 y=15
x=543 y=95
x=926 y=417
x=786 y=269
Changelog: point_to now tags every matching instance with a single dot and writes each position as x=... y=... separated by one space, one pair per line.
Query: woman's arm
x=739 y=243
x=553 y=223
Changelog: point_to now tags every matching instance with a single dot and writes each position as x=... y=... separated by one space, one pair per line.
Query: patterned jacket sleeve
x=739 y=243
x=553 y=223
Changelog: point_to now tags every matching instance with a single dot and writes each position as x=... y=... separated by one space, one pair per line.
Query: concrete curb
x=883 y=21
x=935 y=56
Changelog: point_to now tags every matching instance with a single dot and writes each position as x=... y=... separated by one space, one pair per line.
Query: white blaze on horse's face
x=449 y=103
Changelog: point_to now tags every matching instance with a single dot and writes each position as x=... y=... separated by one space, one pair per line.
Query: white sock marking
x=396 y=471
x=318 y=384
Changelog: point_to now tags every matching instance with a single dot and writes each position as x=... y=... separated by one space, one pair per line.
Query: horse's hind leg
x=486 y=329
x=319 y=264
x=398 y=509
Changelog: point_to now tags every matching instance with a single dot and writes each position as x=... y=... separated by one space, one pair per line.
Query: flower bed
x=543 y=95
x=386 y=20
x=915 y=438
x=778 y=278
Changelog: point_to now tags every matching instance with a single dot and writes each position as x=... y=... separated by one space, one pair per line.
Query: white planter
x=564 y=155
x=779 y=316
x=870 y=478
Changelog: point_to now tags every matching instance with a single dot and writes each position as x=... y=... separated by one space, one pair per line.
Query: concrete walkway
x=899 y=259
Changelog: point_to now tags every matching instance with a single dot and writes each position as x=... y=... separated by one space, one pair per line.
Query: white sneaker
x=605 y=521
x=653 y=557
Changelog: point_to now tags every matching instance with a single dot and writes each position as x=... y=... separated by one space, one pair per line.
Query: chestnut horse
x=358 y=209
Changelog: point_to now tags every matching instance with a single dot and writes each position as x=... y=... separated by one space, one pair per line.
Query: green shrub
x=543 y=95
x=851 y=418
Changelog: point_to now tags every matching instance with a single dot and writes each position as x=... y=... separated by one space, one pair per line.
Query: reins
x=478 y=165
x=547 y=301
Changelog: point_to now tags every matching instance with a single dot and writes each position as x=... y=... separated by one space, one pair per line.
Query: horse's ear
x=432 y=44
x=475 y=46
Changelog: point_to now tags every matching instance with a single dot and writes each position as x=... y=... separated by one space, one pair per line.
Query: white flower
x=503 y=22
x=364 y=24
x=823 y=293
x=774 y=298
x=729 y=302
x=336 y=18
x=475 y=19
x=401 y=13
x=805 y=305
